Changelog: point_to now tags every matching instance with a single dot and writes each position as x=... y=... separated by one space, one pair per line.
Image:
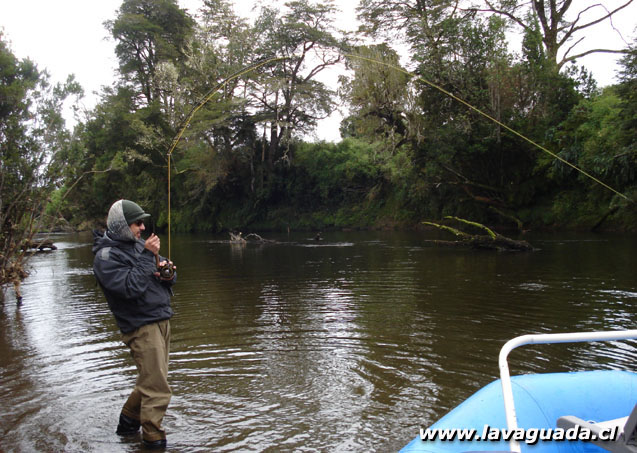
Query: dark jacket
x=124 y=270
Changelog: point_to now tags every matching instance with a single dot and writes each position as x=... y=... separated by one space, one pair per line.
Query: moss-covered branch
x=489 y=241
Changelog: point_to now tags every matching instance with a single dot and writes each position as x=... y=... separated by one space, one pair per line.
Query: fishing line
x=262 y=63
x=499 y=123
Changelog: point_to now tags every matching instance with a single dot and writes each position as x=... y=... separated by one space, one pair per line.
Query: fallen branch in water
x=258 y=238
x=489 y=241
x=39 y=245
x=237 y=238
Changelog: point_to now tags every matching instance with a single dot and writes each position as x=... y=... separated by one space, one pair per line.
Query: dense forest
x=462 y=127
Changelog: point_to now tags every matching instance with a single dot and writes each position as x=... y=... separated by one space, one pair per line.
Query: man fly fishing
x=138 y=295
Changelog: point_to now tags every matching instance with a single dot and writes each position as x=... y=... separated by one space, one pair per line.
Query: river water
x=348 y=344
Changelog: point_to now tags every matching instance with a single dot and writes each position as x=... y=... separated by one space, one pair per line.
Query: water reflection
x=347 y=344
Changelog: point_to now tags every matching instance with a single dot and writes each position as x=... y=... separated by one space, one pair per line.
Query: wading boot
x=127 y=426
x=154 y=444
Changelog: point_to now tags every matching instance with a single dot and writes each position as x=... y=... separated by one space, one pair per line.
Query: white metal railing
x=505 y=376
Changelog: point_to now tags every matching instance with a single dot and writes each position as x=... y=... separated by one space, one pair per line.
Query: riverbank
x=541 y=218
x=619 y=220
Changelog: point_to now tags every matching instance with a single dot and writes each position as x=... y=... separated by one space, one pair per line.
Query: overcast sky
x=68 y=37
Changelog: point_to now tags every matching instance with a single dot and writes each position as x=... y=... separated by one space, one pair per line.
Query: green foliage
x=590 y=138
x=291 y=98
x=32 y=136
x=148 y=33
x=410 y=152
x=627 y=92
x=343 y=173
x=381 y=98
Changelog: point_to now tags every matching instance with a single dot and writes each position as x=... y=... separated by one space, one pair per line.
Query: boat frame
x=575 y=337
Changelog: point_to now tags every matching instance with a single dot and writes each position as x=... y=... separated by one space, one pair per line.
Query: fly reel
x=166 y=271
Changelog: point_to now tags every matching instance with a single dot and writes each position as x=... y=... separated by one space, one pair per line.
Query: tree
x=379 y=97
x=290 y=97
x=151 y=36
x=222 y=135
x=126 y=141
x=222 y=47
x=32 y=131
x=560 y=24
x=626 y=159
x=462 y=157
x=386 y=114
x=468 y=163
x=627 y=91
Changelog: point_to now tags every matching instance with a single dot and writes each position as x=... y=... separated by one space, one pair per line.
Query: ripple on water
x=350 y=344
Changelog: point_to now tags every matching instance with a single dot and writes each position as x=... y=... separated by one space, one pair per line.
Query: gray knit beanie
x=121 y=215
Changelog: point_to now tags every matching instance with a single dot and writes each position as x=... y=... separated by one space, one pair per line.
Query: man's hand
x=152 y=244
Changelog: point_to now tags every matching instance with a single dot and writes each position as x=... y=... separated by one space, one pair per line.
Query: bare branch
x=557 y=31
x=571 y=48
x=565 y=6
x=601 y=19
x=588 y=52
x=570 y=32
x=493 y=9
x=584 y=11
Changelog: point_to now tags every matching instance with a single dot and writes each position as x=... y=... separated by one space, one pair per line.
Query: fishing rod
x=262 y=63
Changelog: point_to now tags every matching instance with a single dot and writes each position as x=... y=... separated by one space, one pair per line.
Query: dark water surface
x=348 y=344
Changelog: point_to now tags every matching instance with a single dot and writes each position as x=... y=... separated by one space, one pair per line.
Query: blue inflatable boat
x=586 y=411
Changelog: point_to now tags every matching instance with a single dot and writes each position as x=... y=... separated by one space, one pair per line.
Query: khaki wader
x=149 y=345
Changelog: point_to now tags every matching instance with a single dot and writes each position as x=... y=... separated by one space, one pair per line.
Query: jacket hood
x=101 y=240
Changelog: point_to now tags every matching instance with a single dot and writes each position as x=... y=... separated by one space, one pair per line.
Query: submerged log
x=39 y=245
x=239 y=239
x=258 y=238
x=489 y=241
